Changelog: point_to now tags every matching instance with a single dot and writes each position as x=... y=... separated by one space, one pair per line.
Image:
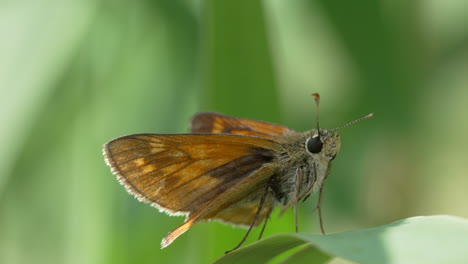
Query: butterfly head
x=324 y=143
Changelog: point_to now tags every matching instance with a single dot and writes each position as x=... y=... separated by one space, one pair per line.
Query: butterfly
x=229 y=169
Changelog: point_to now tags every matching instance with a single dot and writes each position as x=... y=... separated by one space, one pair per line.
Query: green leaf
x=422 y=239
x=307 y=254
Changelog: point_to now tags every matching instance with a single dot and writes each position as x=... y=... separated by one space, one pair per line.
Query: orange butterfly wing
x=178 y=173
x=218 y=123
x=243 y=212
x=195 y=174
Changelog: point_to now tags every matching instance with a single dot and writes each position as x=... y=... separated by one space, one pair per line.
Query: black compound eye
x=314 y=145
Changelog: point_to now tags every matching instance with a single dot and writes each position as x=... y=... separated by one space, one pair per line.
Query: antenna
x=317 y=104
x=353 y=122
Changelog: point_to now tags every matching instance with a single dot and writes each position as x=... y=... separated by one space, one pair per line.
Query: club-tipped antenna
x=317 y=105
x=353 y=122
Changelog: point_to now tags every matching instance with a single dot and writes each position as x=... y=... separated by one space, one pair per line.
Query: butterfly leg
x=296 y=196
x=265 y=223
x=318 y=207
x=310 y=182
x=259 y=210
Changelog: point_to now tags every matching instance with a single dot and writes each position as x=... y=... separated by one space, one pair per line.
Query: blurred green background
x=75 y=74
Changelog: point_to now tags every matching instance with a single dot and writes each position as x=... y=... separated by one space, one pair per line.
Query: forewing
x=180 y=174
x=217 y=123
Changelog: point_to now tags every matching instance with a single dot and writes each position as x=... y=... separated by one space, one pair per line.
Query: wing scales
x=181 y=173
x=217 y=123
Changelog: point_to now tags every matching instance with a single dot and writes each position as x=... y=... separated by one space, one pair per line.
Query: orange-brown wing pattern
x=180 y=174
x=244 y=213
x=248 y=187
x=217 y=123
